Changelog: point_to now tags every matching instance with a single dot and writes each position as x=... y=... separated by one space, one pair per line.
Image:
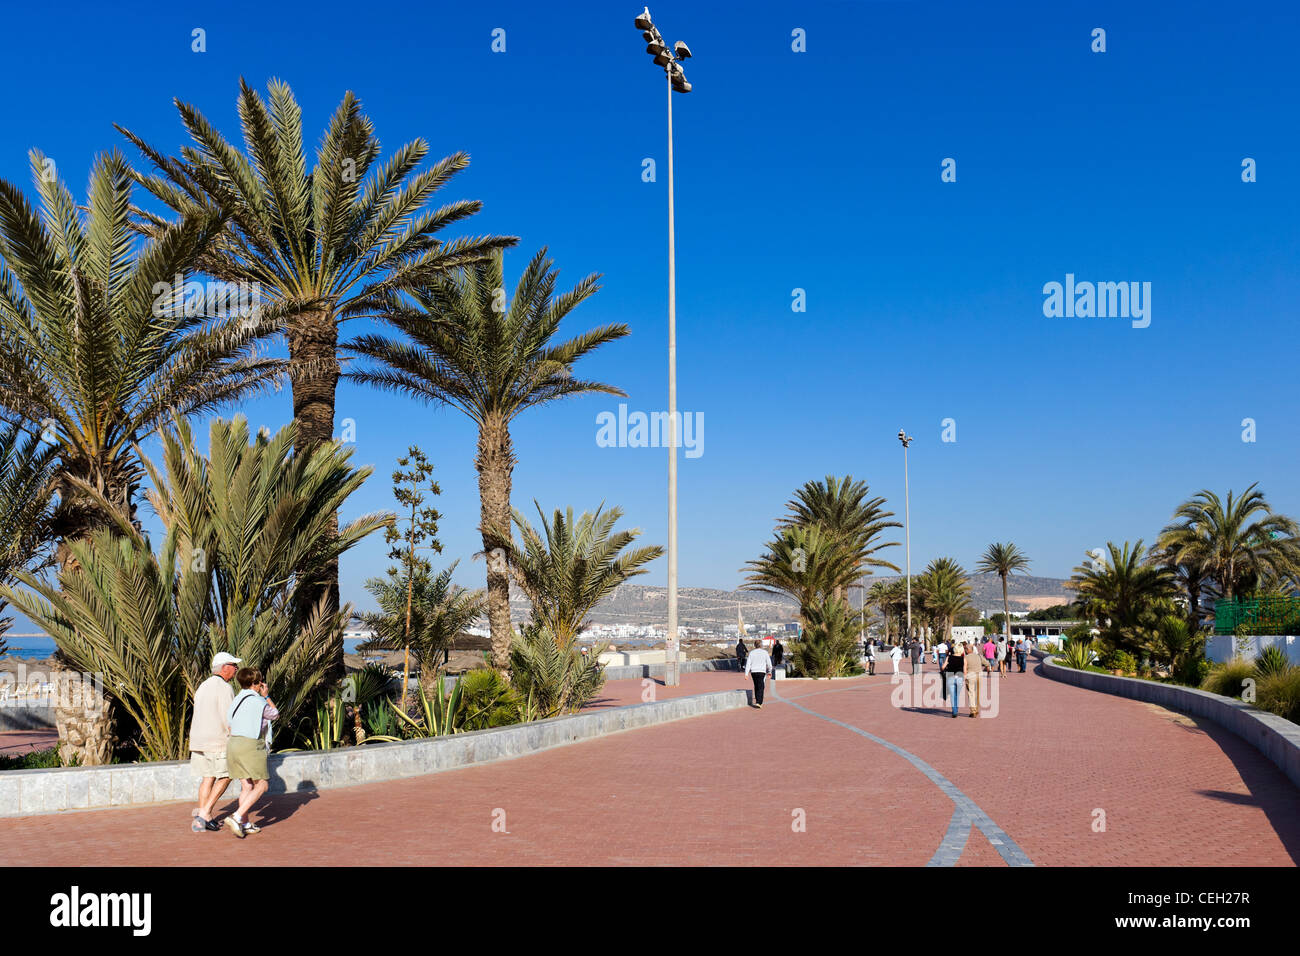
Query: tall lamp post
x=906 y=439
x=670 y=59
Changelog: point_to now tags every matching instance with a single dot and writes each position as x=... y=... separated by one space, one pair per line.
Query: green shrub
x=1226 y=679
x=1192 y=671
x=35 y=760
x=1123 y=661
x=1279 y=693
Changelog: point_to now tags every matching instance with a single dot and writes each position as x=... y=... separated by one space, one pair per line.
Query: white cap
x=222 y=659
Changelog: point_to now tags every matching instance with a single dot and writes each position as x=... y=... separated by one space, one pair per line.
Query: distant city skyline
x=866 y=232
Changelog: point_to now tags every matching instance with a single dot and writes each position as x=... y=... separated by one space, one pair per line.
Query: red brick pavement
x=15 y=742
x=728 y=789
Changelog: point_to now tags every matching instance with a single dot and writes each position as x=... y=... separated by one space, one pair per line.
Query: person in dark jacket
x=916 y=657
x=741 y=653
x=778 y=655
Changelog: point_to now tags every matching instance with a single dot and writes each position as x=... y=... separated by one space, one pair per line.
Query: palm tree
x=1002 y=560
x=807 y=562
x=842 y=507
x=944 y=592
x=244 y=529
x=881 y=596
x=95 y=344
x=465 y=346
x=569 y=571
x=322 y=246
x=829 y=645
x=1126 y=595
x=438 y=612
x=26 y=471
x=1234 y=541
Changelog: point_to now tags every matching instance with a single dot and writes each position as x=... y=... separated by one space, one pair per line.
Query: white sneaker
x=235 y=825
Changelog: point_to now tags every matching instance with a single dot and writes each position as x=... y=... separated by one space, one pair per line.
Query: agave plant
x=568 y=568
x=1078 y=653
x=554 y=675
x=436 y=714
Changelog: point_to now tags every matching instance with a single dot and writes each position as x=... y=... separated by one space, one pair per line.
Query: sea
x=40 y=647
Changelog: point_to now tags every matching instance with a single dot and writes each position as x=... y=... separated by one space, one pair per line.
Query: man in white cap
x=209 y=732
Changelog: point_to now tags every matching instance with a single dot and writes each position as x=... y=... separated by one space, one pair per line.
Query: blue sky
x=816 y=170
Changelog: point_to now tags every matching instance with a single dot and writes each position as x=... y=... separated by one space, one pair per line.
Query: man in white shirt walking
x=209 y=732
x=758 y=665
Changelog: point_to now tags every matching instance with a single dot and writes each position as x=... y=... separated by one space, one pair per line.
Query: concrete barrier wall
x=17 y=715
x=634 y=671
x=1275 y=737
x=26 y=792
x=1224 y=647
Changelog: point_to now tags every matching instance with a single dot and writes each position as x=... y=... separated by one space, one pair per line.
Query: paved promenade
x=828 y=772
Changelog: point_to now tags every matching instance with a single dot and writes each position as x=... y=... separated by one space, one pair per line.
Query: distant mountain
x=697 y=607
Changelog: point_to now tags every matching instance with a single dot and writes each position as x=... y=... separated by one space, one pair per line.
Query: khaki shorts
x=247 y=758
x=210 y=764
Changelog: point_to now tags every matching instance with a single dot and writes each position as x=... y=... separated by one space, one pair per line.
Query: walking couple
x=230 y=737
x=963 y=667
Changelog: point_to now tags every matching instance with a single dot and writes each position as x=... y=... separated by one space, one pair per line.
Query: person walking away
x=989 y=649
x=741 y=652
x=973 y=663
x=895 y=655
x=918 y=651
x=954 y=670
x=250 y=719
x=940 y=653
x=1000 y=654
x=778 y=657
x=209 y=732
x=758 y=665
x=871 y=658
x=1020 y=655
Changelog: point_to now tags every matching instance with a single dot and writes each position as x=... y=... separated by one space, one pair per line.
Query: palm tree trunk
x=314 y=375
x=495 y=463
x=1006 y=609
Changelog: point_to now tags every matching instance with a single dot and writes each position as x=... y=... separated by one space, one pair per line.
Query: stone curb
x=27 y=792
x=1275 y=737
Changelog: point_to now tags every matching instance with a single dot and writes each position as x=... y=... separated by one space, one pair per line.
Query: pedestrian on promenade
x=250 y=719
x=990 y=649
x=778 y=657
x=895 y=655
x=871 y=658
x=741 y=651
x=1000 y=655
x=940 y=653
x=758 y=665
x=954 y=670
x=973 y=664
x=1020 y=655
x=918 y=652
x=209 y=731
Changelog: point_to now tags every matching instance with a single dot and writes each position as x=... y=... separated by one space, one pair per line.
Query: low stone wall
x=1276 y=738
x=16 y=715
x=26 y=792
x=633 y=671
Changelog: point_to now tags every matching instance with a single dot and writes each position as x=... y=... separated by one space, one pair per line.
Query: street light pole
x=670 y=61
x=907 y=527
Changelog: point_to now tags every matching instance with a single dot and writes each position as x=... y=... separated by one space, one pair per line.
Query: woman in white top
x=895 y=655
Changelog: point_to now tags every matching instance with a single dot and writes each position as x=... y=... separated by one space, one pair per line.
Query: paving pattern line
x=953 y=844
x=968 y=808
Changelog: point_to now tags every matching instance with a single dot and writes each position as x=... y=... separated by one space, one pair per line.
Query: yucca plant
x=555 y=674
x=568 y=568
x=1272 y=662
